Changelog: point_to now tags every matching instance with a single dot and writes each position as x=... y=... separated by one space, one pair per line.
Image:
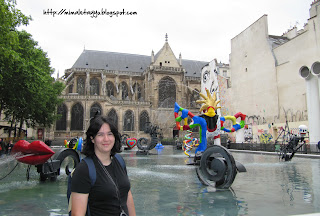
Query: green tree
x=32 y=94
x=10 y=19
x=28 y=93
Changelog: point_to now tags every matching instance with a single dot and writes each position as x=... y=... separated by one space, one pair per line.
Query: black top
x=103 y=195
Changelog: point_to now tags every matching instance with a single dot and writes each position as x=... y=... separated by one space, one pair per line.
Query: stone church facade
x=131 y=89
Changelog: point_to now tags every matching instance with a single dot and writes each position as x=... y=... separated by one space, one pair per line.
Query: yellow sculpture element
x=210 y=104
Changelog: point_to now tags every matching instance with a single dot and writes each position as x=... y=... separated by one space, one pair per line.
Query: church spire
x=152 y=57
x=165 y=57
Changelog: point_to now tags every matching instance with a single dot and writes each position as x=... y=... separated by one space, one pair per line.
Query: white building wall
x=294 y=92
x=253 y=71
x=266 y=84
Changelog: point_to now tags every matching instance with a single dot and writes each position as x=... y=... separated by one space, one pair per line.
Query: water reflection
x=293 y=181
x=287 y=187
x=165 y=185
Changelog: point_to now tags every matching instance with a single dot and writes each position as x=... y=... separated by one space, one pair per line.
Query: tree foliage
x=28 y=93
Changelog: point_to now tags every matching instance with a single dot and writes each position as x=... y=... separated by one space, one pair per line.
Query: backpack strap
x=121 y=161
x=92 y=170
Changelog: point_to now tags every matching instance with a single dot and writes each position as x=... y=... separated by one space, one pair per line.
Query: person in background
x=9 y=146
x=111 y=193
x=2 y=147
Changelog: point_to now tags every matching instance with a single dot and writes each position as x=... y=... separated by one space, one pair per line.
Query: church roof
x=193 y=68
x=94 y=59
x=112 y=61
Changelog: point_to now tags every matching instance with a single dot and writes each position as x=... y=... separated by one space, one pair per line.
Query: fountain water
x=162 y=184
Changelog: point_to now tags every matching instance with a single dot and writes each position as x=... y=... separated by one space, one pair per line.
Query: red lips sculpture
x=33 y=153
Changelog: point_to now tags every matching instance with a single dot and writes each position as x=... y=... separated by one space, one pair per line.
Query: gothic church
x=129 y=88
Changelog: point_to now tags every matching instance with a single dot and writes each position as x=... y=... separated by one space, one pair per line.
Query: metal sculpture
x=49 y=163
x=291 y=143
x=189 y=143
x=143 y=144
x=131 y=143
x=217 y=166
x=123 y=138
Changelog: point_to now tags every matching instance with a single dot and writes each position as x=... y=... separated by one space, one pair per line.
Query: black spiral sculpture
x=143 y=145
x=218 y=168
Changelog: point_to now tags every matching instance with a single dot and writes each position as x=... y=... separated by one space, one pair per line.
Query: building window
x=94 y=86
x=138 y=91
x=61 y=123
x=112 y=115
x=225 y=74
x=167 y=93
x=95 y=110
x=125 y=91
x=128 y=121
x=70 y=88
x=228 y=83
x=110 y=89
x=80 y=86
x=144 y=118
x=77 y=117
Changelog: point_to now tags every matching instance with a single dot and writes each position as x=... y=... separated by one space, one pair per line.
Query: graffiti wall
x=260 y=128
x=248 y=136
x=268 y=133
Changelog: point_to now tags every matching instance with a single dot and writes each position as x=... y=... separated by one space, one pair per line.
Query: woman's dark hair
x=95 y=125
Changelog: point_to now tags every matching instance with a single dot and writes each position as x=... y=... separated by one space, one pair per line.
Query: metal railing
x=268 y=147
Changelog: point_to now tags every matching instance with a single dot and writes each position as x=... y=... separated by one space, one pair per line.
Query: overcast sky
x=199 y=30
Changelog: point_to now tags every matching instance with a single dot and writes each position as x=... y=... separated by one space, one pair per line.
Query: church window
x=110 y=88
x=137 y=89
x=125 y=91
x=61 y=123
x=94 y=86
x=95 y=109
x=77 y=117
x=144 y=118
x=112 y=115
x=167 y=93
x=80 y=86
x=70 y=88
x=128 y=121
